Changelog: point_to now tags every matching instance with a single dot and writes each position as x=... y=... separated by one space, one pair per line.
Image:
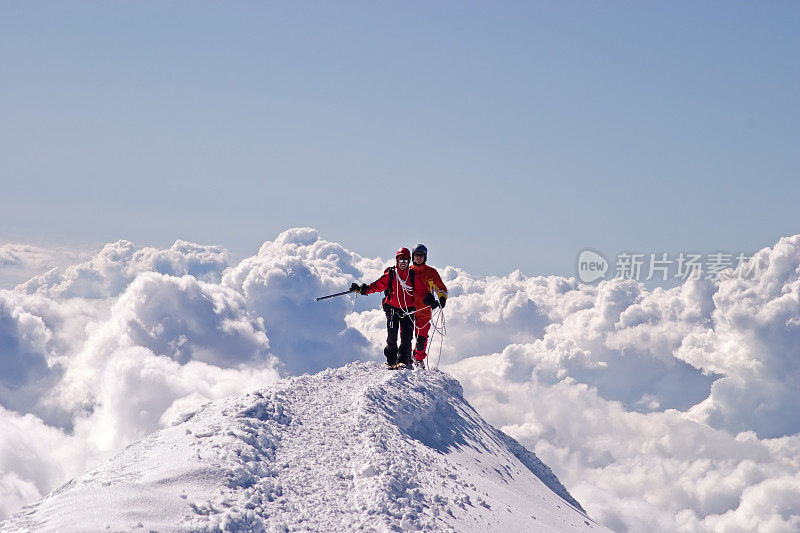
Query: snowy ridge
x=354 y=448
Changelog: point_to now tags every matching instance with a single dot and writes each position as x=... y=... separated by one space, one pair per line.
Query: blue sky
x=503 y=135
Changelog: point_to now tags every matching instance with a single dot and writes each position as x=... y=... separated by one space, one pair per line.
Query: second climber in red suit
x=401 y=285
x=424 y=300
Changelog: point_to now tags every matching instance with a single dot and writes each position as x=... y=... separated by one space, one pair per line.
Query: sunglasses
x=402 y=260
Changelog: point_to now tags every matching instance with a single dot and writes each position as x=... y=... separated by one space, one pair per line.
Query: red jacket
x=431 y=281
x=402 y=294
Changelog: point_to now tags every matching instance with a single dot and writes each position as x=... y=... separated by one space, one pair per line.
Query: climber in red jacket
x=425 y=300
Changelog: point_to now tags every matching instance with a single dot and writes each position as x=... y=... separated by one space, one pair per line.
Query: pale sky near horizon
x=504 y=135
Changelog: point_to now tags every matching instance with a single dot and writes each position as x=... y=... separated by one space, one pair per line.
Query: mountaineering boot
x=405 y=360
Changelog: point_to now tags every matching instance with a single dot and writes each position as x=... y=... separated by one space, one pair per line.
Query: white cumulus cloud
x=280 y=284
x=107 y=273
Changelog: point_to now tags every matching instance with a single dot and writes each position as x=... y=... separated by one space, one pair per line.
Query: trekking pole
x=332 y=295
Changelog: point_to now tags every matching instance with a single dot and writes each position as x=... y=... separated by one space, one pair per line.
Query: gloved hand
x=442 y=300
x=430 y=301
x=360 y=289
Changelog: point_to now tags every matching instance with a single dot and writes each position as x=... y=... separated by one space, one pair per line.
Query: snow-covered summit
x=356 y=448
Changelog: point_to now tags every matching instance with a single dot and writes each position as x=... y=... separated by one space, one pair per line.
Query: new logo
x=591 y=266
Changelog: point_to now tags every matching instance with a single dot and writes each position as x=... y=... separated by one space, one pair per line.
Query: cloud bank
x=18 y=262
x=661 y=410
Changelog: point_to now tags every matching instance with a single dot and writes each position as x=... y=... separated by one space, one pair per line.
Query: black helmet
x=420 y=249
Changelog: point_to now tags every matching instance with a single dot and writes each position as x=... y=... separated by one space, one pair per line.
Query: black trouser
x=397 y=319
